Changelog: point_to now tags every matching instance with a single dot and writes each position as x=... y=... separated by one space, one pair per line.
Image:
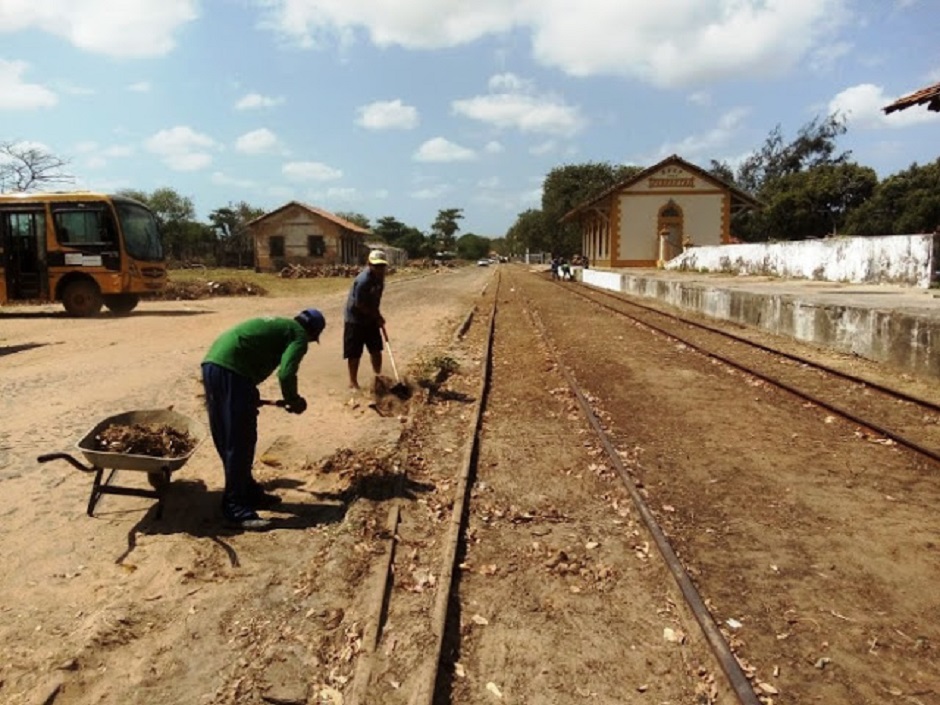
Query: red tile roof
x=342 y=222
x=929 y=95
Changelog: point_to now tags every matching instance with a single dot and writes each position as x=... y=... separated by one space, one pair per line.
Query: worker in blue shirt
x=362 y=320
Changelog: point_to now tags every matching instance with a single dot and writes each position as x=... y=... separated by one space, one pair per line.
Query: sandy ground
x=815 y=549
x=125 y=593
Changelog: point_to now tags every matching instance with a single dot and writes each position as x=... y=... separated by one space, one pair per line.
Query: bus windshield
x=141 y=236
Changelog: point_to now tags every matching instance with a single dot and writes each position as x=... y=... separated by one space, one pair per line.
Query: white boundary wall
x=886 y=259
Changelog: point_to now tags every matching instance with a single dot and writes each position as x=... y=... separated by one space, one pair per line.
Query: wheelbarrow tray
x=145 y=463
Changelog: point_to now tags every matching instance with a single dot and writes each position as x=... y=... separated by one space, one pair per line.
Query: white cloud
x=129 y=28
x=335 y=194
x=259 y=141
x=98 y=157
x=706 y=144
x=140 y=87
x=430 y=192
x=543 y=148
x=508 y=83
x=862 y=105
x=253 y=101
x=17 y=95
x=667 y=42
x=222 y=179
x=702 y=98
x=439 y=149
x=181 y=148
x=824 y=57
x=386 y=115
x=521 y=109
x=310 y=171
x=493 y=147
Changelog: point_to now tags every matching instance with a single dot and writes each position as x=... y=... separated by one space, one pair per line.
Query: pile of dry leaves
x=155 y=440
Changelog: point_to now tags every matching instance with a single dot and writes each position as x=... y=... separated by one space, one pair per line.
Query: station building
x=653 y=216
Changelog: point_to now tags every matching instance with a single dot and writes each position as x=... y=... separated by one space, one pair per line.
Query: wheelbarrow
x=158 y=469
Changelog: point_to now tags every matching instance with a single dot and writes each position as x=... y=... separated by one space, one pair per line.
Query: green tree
x=232 y=235
x=473 y=247
x=903 y=203
x=445 y=228
x=816 y=202
x=355 y=218
x=174 y=214
x=814 y=145
x=414 y=242
x=723 y=171
x=23 y=168
x=500 y=245
x=529 y=233
x=568 y=186
x=776 y=160
x=389 y=229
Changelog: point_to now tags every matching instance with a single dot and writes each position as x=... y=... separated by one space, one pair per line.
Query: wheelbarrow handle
x=46 y=457
x=272 y=402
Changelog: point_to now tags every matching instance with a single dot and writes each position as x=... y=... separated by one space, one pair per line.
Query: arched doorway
x=669 y=229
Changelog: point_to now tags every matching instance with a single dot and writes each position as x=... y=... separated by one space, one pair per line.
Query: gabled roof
x=342 y=222
x=929 y=95
x=742 y=197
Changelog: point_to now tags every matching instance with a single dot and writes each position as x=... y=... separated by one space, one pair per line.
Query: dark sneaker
x=264 y=500
x=248 y=523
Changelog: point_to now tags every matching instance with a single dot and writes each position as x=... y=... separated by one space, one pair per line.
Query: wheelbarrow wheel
x=158 y=480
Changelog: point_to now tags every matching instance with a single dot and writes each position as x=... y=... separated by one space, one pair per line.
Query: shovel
x=400 y=389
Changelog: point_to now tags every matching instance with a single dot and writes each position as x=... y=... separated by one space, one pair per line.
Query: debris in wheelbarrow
x=153 y=439
x=157 y=467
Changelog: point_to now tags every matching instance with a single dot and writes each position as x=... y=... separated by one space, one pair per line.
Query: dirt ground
x=816 y=549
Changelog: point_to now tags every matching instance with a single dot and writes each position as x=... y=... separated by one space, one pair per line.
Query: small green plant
x=434 y=371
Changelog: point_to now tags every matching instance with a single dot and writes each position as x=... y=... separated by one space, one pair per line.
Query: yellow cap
x=377 y=257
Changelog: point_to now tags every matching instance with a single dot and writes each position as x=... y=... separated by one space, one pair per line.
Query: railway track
x=567 y=561
x=892 y=415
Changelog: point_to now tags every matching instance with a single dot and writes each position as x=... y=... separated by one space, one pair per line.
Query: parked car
x=483 y=263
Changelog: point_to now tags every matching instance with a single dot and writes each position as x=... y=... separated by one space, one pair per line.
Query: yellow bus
x=83 y=249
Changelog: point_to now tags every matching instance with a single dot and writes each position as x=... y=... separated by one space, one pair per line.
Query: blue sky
x=405 y=107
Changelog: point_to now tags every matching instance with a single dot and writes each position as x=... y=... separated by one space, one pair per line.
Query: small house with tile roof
x=652 y=216
x=298 y=233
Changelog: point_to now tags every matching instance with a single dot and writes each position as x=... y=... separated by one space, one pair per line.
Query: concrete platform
x=896 y=325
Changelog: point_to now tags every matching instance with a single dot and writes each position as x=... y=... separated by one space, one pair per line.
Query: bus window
x=84 y=227
x=141 y=237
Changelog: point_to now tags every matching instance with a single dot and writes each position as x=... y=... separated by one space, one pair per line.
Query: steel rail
x=427 y=685
x=737 y=679
x=767 y=348
x=844 y=413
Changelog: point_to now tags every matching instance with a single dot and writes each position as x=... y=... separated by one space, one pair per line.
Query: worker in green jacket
x=238 y=361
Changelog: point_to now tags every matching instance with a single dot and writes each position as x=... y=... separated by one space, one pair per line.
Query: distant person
x=238 y=361
x=565 y=270
x=362 y=320
x=554 y=268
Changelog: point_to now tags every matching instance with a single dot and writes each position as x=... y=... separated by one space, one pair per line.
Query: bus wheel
x=82 y=298
x=121 y=303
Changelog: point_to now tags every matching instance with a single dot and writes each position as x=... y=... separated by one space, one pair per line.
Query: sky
x=403 y=108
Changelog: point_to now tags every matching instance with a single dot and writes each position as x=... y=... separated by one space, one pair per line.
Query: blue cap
x=313 y=321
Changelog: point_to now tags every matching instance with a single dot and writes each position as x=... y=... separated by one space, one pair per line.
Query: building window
x=316 y=247
x=276 y=246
